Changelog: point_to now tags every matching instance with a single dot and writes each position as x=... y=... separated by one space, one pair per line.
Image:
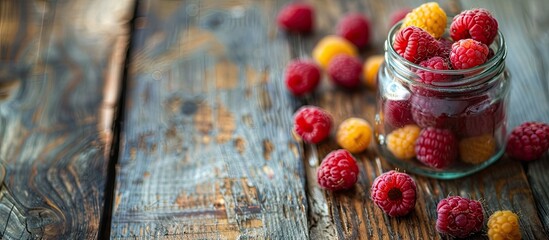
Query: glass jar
x=471 y=107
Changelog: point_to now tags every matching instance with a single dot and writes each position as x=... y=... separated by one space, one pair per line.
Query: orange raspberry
x=370 y=69
x=478 y=149
x=354 y=134
x=401 y=142
x=503 y=225
x=429 y=17
x=331 y=46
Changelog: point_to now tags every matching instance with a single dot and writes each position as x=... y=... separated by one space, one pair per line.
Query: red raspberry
x=415 y=44
x=445 y=47
x=480 y=117
x=433 y=111
x=312 y=124
x=436 y=148
x=397 y=113
x=528 y=141
x=490 y=54
x=437 y=63
x=302 y=77
x=459 y=217
x=394 y=192
x=296 y=17
x=337 y=171
x=477 y=24
x=345 y=70
x=355 y=27
x=468 y=53
x=398 y=15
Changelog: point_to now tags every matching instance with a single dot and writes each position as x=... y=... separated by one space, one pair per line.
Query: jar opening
x=463 y=79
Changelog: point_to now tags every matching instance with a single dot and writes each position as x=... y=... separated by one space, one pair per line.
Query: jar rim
x=472 y=73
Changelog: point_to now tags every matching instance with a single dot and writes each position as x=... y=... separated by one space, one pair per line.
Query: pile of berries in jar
x=442 y=93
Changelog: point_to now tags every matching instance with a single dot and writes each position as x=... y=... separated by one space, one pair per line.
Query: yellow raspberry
x=503 y=225
x=476 y=150
x=371 y=67
x=401 y=142
x=331 y=46
x=429 y=17
x=354 y=135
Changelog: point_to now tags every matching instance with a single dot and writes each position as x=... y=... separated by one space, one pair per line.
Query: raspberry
x=394 y=192
x=329 y=47
x=528 y=141
x=433 y=111
x=337 y=171
x=397 y=113
x=436 y=63
x=371 y=68
x=302 y=77
x=355 y=27
x=477 y=24
x=354 y=134
x=345 y=70
x=312 y=124
x=296 y=17
x=445 y=47
x=429 y=17
x=415 y=45
x=480 y=117
x=401 y=142
x=436 y=148
x=398 y=15
x=476 y=150
x=459 y=217
x=504 y=225
x=468 y=53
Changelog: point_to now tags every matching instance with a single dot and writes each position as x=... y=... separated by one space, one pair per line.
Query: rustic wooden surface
x=206 y=150
x=60 y=65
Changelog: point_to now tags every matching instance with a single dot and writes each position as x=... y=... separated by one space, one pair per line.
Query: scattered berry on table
x=302 y=77
x=345 y=70
x=394 y=192
x=468 y=53
x=504 y=225
x=445 y=47
x=331 y=46
x=397 y=113
x=415 y=45
x=476 y=150
x=354 y=135
x=312 y=124
x=436 y=63
x=528 y=141
x=401 y=142
x=478 y=24
x=296 y=17
x=355 y=27
x=429 y=17
x=398 y=15
x=371 y=68
x=337 y=171
x=436 y=148
x=459 y=217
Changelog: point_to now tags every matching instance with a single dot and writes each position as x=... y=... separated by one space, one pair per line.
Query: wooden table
x=169 y=119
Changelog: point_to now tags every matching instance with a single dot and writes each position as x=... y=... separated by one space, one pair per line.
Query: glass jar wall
x=465 y=116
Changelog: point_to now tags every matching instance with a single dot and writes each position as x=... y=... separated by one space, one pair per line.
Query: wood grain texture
x=59 y=72
x=207 y=150
x=505 y=185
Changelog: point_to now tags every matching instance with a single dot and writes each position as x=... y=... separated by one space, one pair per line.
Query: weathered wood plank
x=350 y=214
x=59 y=72
x=207 y=150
